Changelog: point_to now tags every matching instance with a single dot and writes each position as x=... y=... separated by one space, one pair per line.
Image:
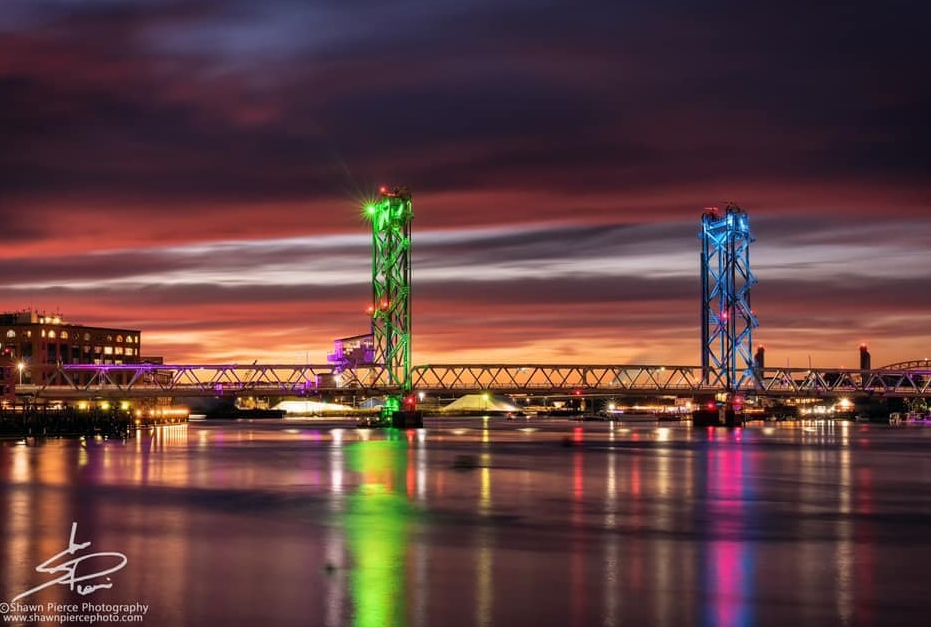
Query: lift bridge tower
x=391 y=218
x=727 y=321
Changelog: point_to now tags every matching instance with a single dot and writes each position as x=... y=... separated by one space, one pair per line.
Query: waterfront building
x=7 y=380
x=352 y=351
x=36 y=338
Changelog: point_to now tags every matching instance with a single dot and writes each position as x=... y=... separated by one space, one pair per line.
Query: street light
x=19 y=367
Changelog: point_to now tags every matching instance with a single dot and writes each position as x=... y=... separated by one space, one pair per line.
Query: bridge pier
x=722 y=410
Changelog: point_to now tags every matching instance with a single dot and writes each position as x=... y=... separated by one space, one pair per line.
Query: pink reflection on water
x=730 y=562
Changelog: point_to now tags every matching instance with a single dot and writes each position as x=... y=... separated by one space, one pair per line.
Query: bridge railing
x=75 y=380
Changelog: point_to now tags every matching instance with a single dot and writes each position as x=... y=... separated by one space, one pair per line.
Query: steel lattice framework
x=391 y=217
x=910 y=365
x=82 y=381
x=727 y=321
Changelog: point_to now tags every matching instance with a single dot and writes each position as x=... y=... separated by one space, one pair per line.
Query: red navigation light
x=370 y=309
x=576 y=392
x=711 y=405
x=383 y=189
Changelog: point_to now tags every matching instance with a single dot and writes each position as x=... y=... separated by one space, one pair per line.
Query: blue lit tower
x=727 y=321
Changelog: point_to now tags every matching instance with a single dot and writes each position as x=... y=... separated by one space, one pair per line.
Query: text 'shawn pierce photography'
x=469 y=313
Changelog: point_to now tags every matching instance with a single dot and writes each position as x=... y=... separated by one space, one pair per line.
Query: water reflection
x=377 y=524
x=730 y=570
x=485 y=522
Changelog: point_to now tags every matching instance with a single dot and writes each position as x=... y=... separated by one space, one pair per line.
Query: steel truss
x=727 y=321
x=391 y=285
x=911 y=365
x=157 y=380
x=194 y=380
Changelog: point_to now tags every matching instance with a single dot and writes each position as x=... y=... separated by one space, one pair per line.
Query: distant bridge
x=80 y=381
x=911 y=365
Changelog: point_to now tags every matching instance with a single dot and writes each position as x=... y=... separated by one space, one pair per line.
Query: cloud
x=196 y=167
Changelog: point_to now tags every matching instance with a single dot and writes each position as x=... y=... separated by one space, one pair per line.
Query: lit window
x=108 y=350
x=64 y=335
x=28 y=333
x=129 y=350
x=87 y=336
x=51 y=334
x=43 y=333
x=119 y=350
x=10 y=333
x=109 y=338
x=119 y=338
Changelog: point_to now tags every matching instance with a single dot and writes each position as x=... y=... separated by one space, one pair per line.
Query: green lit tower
x=391 y=218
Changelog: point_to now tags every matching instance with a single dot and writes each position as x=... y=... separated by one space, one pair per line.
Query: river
x=479 y=521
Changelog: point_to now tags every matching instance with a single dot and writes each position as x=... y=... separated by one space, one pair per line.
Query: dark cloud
x=226 y=101
x=130 y=124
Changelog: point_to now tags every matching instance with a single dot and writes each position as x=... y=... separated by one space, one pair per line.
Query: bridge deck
x=156 y=380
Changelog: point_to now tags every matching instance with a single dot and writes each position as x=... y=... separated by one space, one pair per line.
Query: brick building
x=35 y=338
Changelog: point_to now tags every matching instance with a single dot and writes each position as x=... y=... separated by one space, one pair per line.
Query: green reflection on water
x=377 y=522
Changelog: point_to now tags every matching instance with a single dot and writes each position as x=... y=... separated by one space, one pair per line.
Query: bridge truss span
x=196 y=380
x=76 y=381
x=667 y=380
x=560 y=378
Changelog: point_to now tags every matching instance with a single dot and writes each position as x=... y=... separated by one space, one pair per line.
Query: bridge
x=727 y=322
x=80 y=381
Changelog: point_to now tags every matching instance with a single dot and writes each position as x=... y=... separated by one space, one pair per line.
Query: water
x=474 y=521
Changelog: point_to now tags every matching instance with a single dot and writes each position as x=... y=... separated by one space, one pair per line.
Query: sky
x=196 y=168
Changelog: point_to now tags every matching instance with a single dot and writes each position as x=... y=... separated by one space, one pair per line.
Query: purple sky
x=195 y=169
